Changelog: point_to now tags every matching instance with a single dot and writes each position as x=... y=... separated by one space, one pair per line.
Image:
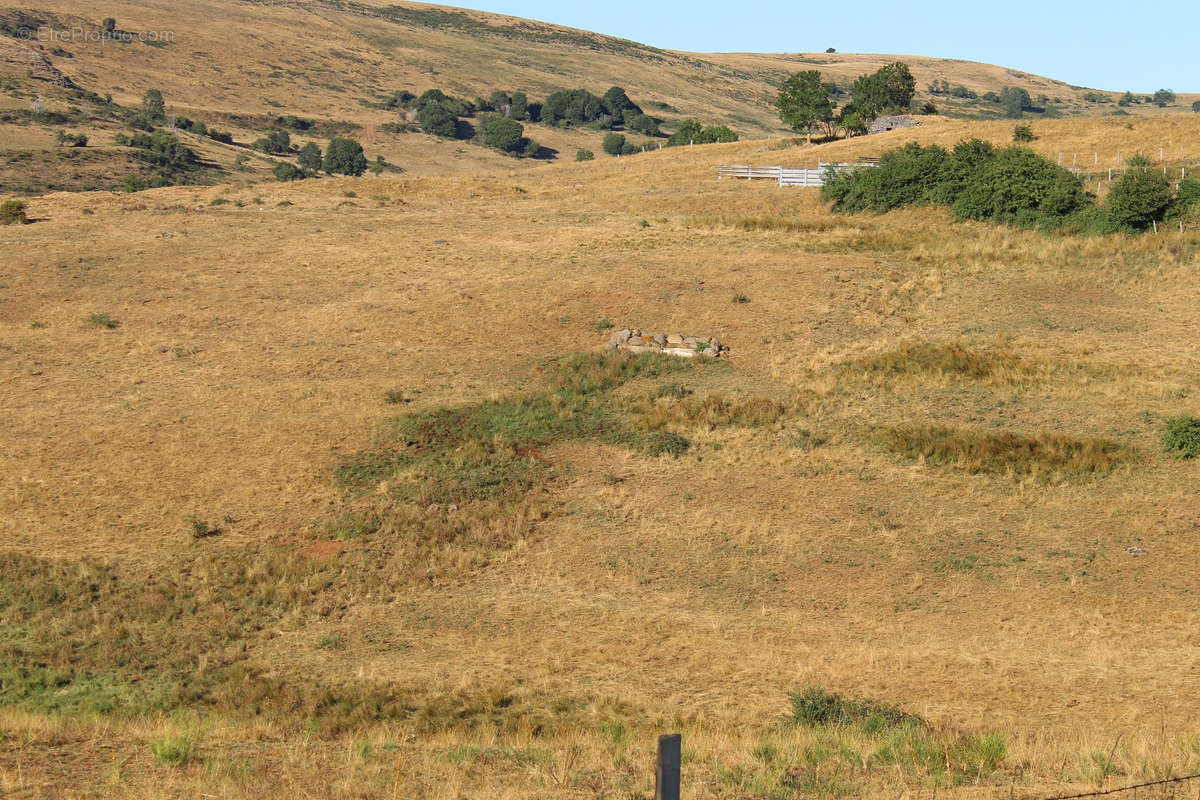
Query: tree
x=518 y=106
x=890 y=88
x=344 y=156
x=108 y=25
x=804 y=101
x=830 y=49
x=613 y=144
x=1126 y=100
x=1015 y=100
x=438 y=120
x=687 y=133
x=616 y=102
x=642 y=123
x=1164 y=98
x=310 y=157
x=584 y=155
x=1141 y=197
x=1023 y=133
x=571 y=107
x=504 y=134
x=1196 y=107
x=153 y=105
x=500 y=102
x=277 y=142
x=287 y=172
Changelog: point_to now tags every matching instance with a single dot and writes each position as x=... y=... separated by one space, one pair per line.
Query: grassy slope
x=323 y=59
x=257 y=342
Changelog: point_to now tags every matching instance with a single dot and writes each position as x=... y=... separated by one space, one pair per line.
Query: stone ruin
x=674 y=344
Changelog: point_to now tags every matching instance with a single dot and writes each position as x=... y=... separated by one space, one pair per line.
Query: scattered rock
x=1134 y=550
x=636 y=341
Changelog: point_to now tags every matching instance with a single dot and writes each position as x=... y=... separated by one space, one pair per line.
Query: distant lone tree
x=1196 y=107
x=438 y=120
x=310 y=157
x=153 y=105
x=830 y=49
x=1126 y=100
x=1164 y=98
x=344 y=156
x=503 y=134
x=108 y=25
x=613 y=144
x=804 y=101
x=1015 y=100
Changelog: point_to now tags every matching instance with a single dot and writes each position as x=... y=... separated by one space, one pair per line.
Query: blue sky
x=1103 y=44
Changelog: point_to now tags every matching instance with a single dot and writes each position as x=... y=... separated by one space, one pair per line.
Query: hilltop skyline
x=1073 y=42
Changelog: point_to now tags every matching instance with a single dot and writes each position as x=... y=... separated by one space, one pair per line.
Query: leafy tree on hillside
x=890 y=88
x=1126 y=100
x=344 y=156
x=277 y=142
x=438 y=120
x=518 y=106
x=642 y=123
x=1141 y=197
x=804 y=101
x=284 y=171
x=1015 y=101
x=617 y=103
x=109 y=25
x=1164 y=98
x=613 y=144
x=503 y=134
x=310 y=157
x=571 y=107
x=153 y=105
x=692 y=132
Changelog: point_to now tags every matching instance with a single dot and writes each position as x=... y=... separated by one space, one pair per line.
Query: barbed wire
x=1164 y=782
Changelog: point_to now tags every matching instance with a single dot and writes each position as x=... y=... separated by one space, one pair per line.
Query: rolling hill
x=328 y=488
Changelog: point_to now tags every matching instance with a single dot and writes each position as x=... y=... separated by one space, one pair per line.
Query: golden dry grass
x=256 y=344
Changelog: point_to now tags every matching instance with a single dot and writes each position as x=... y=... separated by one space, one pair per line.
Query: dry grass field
x=326 y=490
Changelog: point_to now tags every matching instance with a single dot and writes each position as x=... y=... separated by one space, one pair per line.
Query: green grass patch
x=1181 y=438
x=1046 y=455
x=171 y=751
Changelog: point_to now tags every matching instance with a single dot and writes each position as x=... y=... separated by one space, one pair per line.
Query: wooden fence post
x=666 y=778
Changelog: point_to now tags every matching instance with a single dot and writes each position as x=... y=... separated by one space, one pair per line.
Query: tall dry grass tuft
x=1042 y=455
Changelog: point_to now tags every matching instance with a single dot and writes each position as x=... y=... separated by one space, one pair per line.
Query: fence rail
x=786 y=176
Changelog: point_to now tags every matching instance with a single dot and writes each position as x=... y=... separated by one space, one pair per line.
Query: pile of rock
x=637 y=341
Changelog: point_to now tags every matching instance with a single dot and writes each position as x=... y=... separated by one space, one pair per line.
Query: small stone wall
x=674 y=344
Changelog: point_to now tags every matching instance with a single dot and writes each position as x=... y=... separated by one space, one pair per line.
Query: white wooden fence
x=788 y=176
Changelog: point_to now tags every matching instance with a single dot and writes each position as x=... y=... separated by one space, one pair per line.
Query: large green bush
x=1182 y=437
x=436 y=119
x=503 y=134
x=613 y=144
x=344 y=156
x=1140 y=198
x=1012 y=185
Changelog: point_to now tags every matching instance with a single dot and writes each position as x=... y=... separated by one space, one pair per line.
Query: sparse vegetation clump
x=1042 y=455
x=692 y=132
x=13 y=212
x=923 y=357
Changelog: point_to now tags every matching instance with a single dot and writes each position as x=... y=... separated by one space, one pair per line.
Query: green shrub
x=344 y=156
x=814 y=707
x=65 y=139
x=1023 y=133
x=1182 y=437
x=310 y=157
x=613 y=144
x=285 y=171
x=1017 y=186
x=276 y=142
x=584 y=155
x=503 y=134
x=1140 y=198
x=171 y=751
x=102 y=320
x=437 y=120
x=12 y=212
x=667 y=443
x=1189 y=192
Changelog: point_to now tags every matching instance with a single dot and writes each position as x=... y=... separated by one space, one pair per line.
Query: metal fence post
x=666 y=778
